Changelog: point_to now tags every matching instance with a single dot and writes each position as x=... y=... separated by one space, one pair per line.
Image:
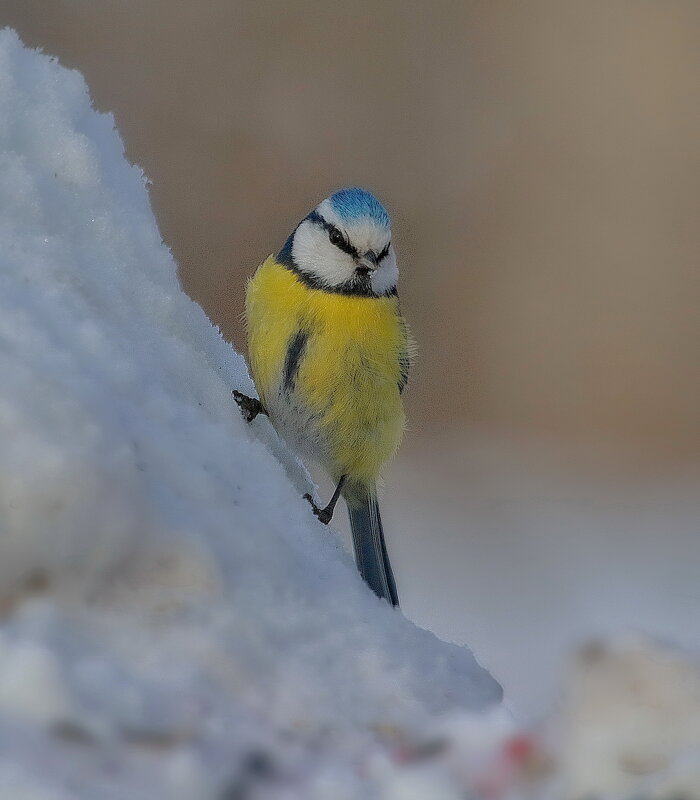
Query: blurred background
x=541 y=163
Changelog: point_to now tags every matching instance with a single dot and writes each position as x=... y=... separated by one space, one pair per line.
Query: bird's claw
x=250 y=406
x=323 y=514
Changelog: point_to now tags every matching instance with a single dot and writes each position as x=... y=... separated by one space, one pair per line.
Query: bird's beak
x=369 y=261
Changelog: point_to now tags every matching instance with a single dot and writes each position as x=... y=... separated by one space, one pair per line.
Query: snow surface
x=174 y=621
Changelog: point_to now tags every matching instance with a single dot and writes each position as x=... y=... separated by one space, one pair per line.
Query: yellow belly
x=344 y=405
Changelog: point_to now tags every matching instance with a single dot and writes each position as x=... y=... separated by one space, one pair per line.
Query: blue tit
x=330 y=354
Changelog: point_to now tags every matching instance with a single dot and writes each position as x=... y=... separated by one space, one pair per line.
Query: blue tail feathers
x=370 y=548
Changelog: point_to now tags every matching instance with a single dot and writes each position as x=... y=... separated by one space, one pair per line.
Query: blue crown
x=353 y=204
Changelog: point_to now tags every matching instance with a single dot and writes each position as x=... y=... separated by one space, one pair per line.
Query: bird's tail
x=368 y=540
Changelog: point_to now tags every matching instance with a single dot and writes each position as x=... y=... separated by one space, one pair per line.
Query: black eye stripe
x=337 y=238
x=342 y=243
x=384 y=253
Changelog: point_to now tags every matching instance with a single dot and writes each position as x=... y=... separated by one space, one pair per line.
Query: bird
x=329 y=354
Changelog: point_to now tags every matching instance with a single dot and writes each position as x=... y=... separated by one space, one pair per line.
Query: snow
x=631 y=709
x=174 y=621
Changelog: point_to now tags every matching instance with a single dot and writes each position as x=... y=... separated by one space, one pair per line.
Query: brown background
x=541 y=162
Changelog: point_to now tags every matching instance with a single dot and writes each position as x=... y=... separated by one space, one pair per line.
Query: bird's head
x=344 y=245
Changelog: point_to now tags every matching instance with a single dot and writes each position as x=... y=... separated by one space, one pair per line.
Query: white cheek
x=387 y=276
x=314 y=254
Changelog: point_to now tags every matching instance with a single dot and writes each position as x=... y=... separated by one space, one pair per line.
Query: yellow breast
x=346 y=386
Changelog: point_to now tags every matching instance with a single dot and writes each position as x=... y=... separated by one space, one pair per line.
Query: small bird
x=330 y=355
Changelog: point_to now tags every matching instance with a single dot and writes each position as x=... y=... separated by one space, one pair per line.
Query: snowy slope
x=174 y=621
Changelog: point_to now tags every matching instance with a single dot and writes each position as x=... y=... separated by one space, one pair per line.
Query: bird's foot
x=250 y=406
x=324 y=514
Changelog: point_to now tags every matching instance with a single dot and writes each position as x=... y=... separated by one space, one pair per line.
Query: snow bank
x=174 y=621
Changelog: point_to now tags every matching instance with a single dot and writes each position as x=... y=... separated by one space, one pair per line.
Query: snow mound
x=174 y=621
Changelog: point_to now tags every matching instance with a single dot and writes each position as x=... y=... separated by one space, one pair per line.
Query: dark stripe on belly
x=295 y=352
